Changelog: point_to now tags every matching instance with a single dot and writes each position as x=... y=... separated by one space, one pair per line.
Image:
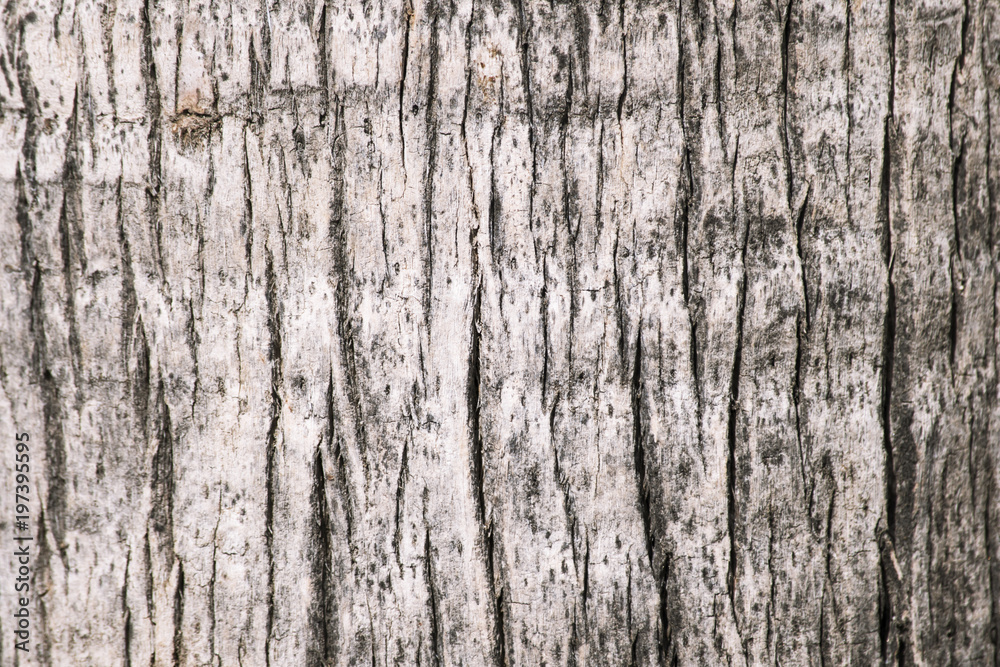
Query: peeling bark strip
x=412 y=332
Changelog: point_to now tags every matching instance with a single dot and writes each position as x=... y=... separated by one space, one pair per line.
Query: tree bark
x=412 y=332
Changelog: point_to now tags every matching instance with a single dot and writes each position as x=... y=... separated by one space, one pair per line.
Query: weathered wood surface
x=530 y=333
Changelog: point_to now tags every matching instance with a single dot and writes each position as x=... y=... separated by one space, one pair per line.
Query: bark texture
x=415 y=332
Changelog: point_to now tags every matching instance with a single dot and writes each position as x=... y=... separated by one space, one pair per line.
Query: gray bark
x=412 y=332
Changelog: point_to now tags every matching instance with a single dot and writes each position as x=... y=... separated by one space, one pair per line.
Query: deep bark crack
x=270 y=476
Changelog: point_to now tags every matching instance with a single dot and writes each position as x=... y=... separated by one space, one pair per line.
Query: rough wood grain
x=412 y=332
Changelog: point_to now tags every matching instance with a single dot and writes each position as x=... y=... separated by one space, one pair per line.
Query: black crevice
x=161 y=514
x=564 y=484
x=807 y=486
x=524 y=45
x=71 y=239
x=323 y=65
x=885 y=610
x=619 y=305
x=43 y=574
x=32 y=111
x=334 y=444
x=957 y=174
x=154 y=137
x=271 y=478
x=321 y=612
x=544 y=315
x=887 y=541
x=212 y=620
x=643 y=474
x=179 y=616
x=599 y=189
x=799 y=223
x=686 y=194
x=586 y=579
x=431 y=127
x=569 y=196
x=407 y=22
x=829 y=585
x=668 y=651
x=52 y=413
x=342 y=269
x=474 y=398
x=126 y=612
x=639 y=452
x=785 y=40
x=432 y=601
x=734 y=406
x=179 y=43
x=496 y=240
x=889 y=343
x=957 y=148
x=147 y=554
x=633 y=636
x=624 y=91
x=404 y=474
x=465 y=120
x=994 y=585
x=500 y=633
x=265 y=41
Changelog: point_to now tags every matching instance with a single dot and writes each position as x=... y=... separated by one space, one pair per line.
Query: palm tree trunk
x=412 y=332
